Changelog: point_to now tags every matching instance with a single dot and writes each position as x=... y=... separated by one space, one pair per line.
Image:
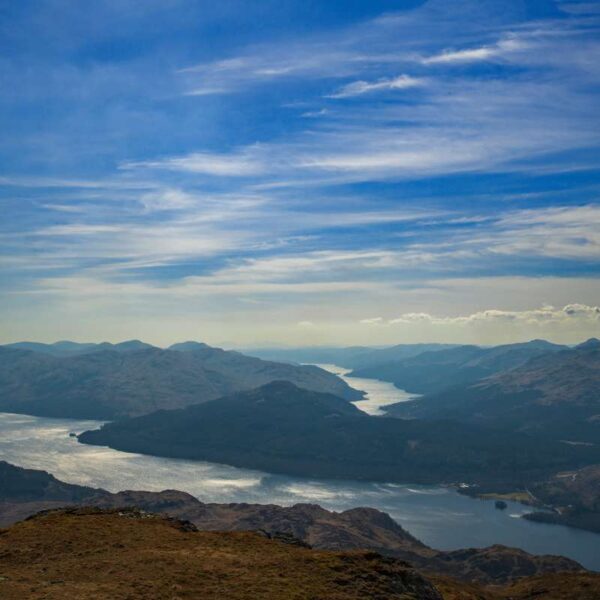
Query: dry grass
x=88 y=554
x=107 y=556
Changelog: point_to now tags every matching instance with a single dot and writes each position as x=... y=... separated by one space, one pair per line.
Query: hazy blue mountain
x=431 y=372
x=122 y=381
x=282 y=428
x=310 y=354
x=67 y=348
x=352 y=357
x=555 y=394
x=188 y=346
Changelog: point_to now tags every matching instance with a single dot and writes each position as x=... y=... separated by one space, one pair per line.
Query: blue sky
x=296 y=172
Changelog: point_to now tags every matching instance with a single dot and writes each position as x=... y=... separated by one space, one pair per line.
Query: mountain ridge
x=552 y=394
x=282 y=428
x=433 y=371
x=105 y=384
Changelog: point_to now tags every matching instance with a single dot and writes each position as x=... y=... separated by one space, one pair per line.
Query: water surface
x=378 y=393
x=437 y=515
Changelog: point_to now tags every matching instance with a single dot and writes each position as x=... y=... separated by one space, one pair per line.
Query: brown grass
x=107 y=556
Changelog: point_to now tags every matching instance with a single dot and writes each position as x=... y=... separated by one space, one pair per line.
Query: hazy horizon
x=274 y=346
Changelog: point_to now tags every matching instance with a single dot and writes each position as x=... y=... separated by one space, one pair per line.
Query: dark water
x=438 y=516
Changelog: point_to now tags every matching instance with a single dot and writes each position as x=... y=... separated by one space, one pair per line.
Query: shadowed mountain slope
x=555 y=394
x=574 y=495
x=431 y=372
x=284 y=429
x=109 y=384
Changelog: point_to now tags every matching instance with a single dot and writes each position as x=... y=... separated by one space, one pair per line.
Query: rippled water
x=438 y=516
x=379 y=393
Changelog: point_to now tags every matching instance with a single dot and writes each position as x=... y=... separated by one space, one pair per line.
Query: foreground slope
x=556 y=394
x=282 y=428
x=24 y=492
x=89 y=553
x=93 y=554
x=128 y=380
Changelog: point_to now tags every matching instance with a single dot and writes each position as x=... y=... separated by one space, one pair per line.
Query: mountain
x=189 y=346
x=284 y=429
x=125 y=381
x=29 y=485
x=90 y=553
x=574 y=496
x=555 y=394
x=84 y=553
x=431 y=372
x=311 y=525
x=67 y=348
x=24 y=492
x=353 y=357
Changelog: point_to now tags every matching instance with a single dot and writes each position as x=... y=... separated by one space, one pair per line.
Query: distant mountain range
x=67 y=348
x=436 y=370
x=353 y=357
x=107 y=381
x=285 y=429
x=555 y=394
x=24 y=492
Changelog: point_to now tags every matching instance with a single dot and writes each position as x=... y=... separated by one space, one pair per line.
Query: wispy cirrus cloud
x=241 y=164
x=357 y=88
x=498 y=50
x=437 y=160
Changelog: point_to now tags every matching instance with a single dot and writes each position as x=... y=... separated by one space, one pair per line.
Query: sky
x=299 y=172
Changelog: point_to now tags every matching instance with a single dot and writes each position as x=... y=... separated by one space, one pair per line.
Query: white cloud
x=372 y=321
x=498 y=50
x=543 y=315
x=241 y=164
x=357 y=88
x=306 y=324
x=167 y=199
x=569 y=232
x=580 y=8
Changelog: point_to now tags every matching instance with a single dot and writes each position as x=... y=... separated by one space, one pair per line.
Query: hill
x=357 y=528
x=433 y=371
x=555 y=394
x=58 y=554
x=575 y=497
x=284 y=429
x=128 y=380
